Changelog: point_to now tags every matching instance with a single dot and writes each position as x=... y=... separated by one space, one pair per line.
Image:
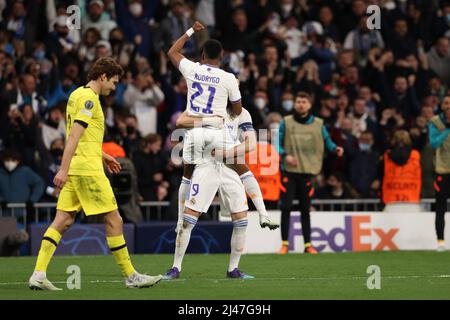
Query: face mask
x=260 y=103
x=115 y=41
x=286 y=8
x=39 y=55
x=287 y=105
x=135 y=9
x=130 y=130
x=364 y=147
x=57 y=152
x=10 y=165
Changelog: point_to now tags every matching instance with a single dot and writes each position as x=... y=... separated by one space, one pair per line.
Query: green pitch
x=404 y=275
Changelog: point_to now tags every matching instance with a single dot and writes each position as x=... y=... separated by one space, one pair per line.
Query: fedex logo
x=356 y=235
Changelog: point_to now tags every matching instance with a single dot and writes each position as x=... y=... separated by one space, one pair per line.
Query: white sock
x=237 y=242
x=183 y=237
x=39 y=275
x=182 y=195
x=252 y=188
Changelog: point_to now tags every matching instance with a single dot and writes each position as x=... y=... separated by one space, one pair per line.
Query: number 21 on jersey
x=199 y=92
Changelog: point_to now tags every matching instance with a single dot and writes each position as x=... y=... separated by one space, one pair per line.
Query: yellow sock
x=119 y=249
x=48 y=246
x=441 y=242
x=308 y=244
x=285 y=243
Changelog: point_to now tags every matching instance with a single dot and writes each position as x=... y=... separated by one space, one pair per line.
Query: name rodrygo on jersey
x=209 y=89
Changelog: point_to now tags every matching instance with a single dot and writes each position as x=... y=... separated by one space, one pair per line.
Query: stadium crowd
x=366 y=84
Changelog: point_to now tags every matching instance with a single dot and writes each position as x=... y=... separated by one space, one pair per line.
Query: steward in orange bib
x=263 y=163
x=402 y=176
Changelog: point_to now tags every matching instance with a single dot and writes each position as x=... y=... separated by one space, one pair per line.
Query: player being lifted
x=212 y=176
x=82 y=179
x=209 y=90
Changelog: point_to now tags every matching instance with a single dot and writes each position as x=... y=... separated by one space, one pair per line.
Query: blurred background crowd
x=366 y=84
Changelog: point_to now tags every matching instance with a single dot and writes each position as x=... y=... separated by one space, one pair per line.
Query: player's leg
x=238 y=237
x=192 y=145
x=67 y=207
x=305 y=193
x=62 y=222
x=252 y=189
x=183 y=191
x=117 y=245
x=288 y=192
x=190 y=219
x=97 y=197
x=441 y=186
x=204 y=185
x=233 y=198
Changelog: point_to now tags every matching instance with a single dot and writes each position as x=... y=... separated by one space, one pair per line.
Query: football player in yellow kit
x=82 y=179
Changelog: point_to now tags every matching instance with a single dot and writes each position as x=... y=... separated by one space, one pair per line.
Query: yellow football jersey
x=84 y=107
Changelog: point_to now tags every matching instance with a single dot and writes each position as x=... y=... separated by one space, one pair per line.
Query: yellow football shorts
x=92 y=193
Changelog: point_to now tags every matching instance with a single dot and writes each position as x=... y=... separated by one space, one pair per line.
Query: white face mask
x=287 y=8
x=135 y=9
x=287 y=105
x=10 y=165
x=260 y=103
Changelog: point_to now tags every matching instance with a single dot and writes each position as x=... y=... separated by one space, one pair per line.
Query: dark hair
x=151 y=139
x=11 y=154
x=304 y=95
x=107 y=66
x=212 y=49
x=338 y=175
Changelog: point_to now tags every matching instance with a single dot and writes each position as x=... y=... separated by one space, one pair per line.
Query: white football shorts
x=199 y=142
x=210 y=178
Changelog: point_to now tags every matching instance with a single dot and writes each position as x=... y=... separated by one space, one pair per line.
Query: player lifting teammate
x=209 y=90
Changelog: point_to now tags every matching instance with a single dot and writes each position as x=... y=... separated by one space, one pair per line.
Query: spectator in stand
x=25 y=94
x=131 y=135
x=175 y=25
x=96 y=18
x=361 y=120
x=361 y=168
x=87 y=49
x=404 y=96
x=19 y=184
x=149 y=166
x=51 y=165
x=439 y=59
x=142 y=97
x=54 y=126
x=361 y=40
x=335 y=188
x=20 y=133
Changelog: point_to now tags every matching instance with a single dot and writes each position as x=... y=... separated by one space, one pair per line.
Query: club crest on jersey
x=89 y=104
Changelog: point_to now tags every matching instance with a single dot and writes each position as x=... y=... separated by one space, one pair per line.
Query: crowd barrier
x=331 y=232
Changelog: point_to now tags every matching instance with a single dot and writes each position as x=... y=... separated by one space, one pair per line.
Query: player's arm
x=235 y=97
x=248 y=145
x=71 y=145
x=174 y=52
x=236 y=107
x=187 y=121
x=111 y=163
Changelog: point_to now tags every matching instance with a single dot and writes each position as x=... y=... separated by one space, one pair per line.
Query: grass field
x=404 y=275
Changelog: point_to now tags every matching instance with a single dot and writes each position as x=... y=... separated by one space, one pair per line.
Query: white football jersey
x=233 y=127
x=209 y=89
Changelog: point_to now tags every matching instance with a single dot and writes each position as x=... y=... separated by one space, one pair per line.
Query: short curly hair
x=107 y=66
